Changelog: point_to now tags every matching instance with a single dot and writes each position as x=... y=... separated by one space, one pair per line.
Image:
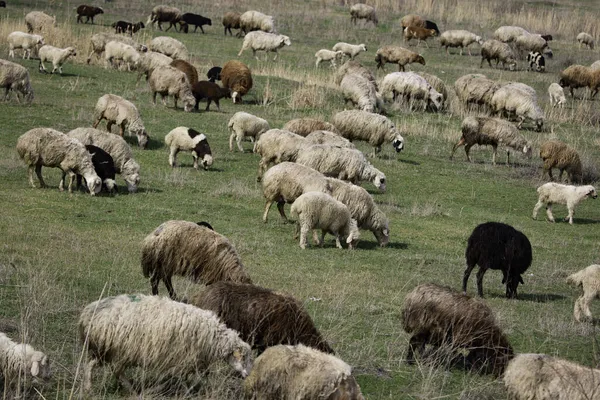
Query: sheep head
x=285 y=40
x=419 y=59
x=382 y=236
x=363 y=47
x=40 y=366
x=353 y=235
x=398 y=143
x=94 y=183
x=479 y=40
x=241 y=360
x=512 y=283
x=591 y=192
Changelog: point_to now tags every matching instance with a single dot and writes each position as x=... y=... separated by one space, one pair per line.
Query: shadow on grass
x=410 y=162
x=535 y=297
x=371 y=245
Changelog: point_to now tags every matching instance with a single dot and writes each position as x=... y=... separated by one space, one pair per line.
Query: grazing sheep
x=421 y=34
x=236 y=76
x=443 y=317
x=363 y=11
x=263 y=41
x=361 y=93
x=99 y=41
x=459 y=38
x=209 y=91
x=104 y=166
x=169 y=47
x=214 y=74
x=438 y=85
x=160 y=335
x=328 y=55
x=515 y=99
x=595 y=66
x=410 y=86
x=555 y=193
x=536 y=60
x=299 y=372
x=186 y=249
x=89 y=12
x=38 y=21
x=305 y=126
x=242 y=125
x=285 y=182
x=501 y=52
x=397 y=55
x=577 y=76
x=188 y=139
x=120 y=51
x=188 y=69
x=494 y=245
x=494 y=132
x=118 y=149
x=557 y=95
x=231 y=19
x=25 y=41
x=532 y=42
x=585 y=39
x=263 y=317
x=353 y=67
x=21 y=366
x=556 y=154
x=163 y=13
x=372 y=128
x=329 y=138
x=169 y=81
x=475 y=88
x=588 y=279
x=128 y=27
x=15 y=77
x=256 y=21
x=197 y=20
x=149 y=61
x=509 y=34
x=276 y=146
x=55 y=55
x=351 y=50
x=45 y=147
x=542 y=377
x=117 y=110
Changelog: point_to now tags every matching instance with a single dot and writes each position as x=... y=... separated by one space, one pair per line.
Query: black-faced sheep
x=197 y=20
x=14 y=77
x=89 y=12
x=22 y=367
x=104 y=166
x=188 y=69
x=117 y=110
x=588 y=279
x=163 y=13
x=243 y=125
x=231 y=19
x=556 y=154
x=363 y=11
x=305 y=126
x=555 y=193
x=421 y=34
x=169 y=81
x=128 y=27
x=577 y=76
x=214 y=74
x=236 y=76
x=397 y=55
x=188 y=139
x=536 y=61
x=209 y=91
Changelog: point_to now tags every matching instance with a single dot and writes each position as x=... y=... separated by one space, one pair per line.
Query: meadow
x=60 y=251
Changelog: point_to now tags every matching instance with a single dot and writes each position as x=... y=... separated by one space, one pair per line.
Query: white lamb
x=317 y=210
x=459 y=38
x=263 y=41
x=589 y=280
x=187 y=139
x=56 y=56
x=555 y=193
x=557 y=95
x=351 y=50
x=117 y=110
x=411 y=86
x=21 y=366
x=25 y=41
x=242 y=125
x=328 y=55
x=169 y=47
x=120 y=51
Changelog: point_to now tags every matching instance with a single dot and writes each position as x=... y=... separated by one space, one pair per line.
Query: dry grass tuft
x=307 y=96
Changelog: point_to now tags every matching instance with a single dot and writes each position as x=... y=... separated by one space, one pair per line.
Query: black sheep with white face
x=104 y=166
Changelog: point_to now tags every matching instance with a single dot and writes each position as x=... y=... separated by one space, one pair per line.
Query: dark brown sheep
x=209 y=91
x=421 y=34
x=127 y=27
x=577 y=76
x=262 y=317
x=188 y=69
x=236 y=76
x=89 y=12
x=231 y=19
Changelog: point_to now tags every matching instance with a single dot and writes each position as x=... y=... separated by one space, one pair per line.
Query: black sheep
x=89 y=12
x=494 y=245
x=104 y=166
x=209 y=91
x=214 y=74
x=432 y=25
x=3 y=4
x=197 y=20
x=127 y=27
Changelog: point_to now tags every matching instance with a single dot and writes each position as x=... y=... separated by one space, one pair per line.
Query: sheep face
x=479 y=40
x=143 y=139
x=40 y=368
x=363 y=47
x=380 y=182
x=528 y=150
x=512 y=63
x=436 y=100
x=189 y=102
x=132 y=182
x=419 y=59
x=241 y=360
x=348 y=389
x=353 y=236
x=285 y=40
x=398 y=143
x=72 y=52
x=512 y=283
x=592 y=192
x=94 y=185
x=382 y=236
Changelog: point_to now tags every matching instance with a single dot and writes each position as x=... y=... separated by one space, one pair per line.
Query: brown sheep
x=577 y=76
x=262 y=317
x=397 y=55
x=421 y=34
x=188 y=69
x=556 y=154
x=305 y=126
x=209 y=91
x=231 y=19
x=163 y=13
x=89 y=12
x=236 y=76
x=412 y=20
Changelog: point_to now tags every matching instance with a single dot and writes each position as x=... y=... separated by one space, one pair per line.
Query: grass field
x=59 y=251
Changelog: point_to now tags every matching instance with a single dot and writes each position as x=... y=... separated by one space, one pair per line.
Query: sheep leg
x=415 y=345
x=173 y=156
x=585 y=302
x=267 y=207
x=42 y=67
x=254 y=54
x=494 y=154
x=296 y=230
x=280 y=205
x=87 y=375
x=461 y=142
x=577 y=309
x=480 y=274
x=169 y=285
x=61 y=184
x=71 y=179
x=195 y=157
x=549 y=212
x=467 y=149
x=571 y=211
x=233 y=136
x=507 y=157
x=337 y=242
x=218 y=106
x=537 y=207
x=277 y=54
x=466 y=275
x=207 y=104
x=303 y=233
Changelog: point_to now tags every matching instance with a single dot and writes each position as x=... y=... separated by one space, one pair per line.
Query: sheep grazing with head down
x=231 y=20
x=329 y=138
x=99 y=41
x=459 y=38
x=14 y=77
x=351 y=50
x=188 y=69
x=186 y=249
x=585 y=39
x=519 y=100
x=256 y=21
x=25 y=41
x=363 y=11
x=104 y=166
x=354 y=67
x=169 y=47
x=243 y=125
x=372 y=128
x=410 y=87
x=163 y=13
x=556 y=95
x=120 y=51
x=299 y=372
x=305 y=126
x=117 y=110
x=397 y=55
x=577 y=76
x=421 y=34
x=236 y=76
x=56 y=56
x=361 y=93
x=443 y=317
x=188 y=139
x=162 y=336
x=263 y=317
x=276 y=146
x=509 y=33
x=128 y=27
x=22 y=367
x=555 y=193
x=556 y=154
x=38 y=21
x=263 y=41
x=501 y=52
x=475 y=89
x=89 y=12
x=169 y=81
x=149 y=61
x=532 y=42
x=588 y=279
x=328 y=55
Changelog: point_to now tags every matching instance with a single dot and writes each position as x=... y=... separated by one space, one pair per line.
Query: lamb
x=501 y=52
x=397 y=55
x=256 y=21
x=38 y=21
x=421 y=34
x=475 y=88
x=305 y=126
x=243 y=125
x=231 y=19
x=159 y=335
x=285 y=182
x=353 y=67
x=276 y=146
x=197 y=20
x=127 y=27
x=577 y=76
x=585 y=39
x=168 y=81
x=117 y=110
x=263 y=317
x=443 y=317
x=555 y=193
x=188 y=139
x=557 y=154
x=55 y=55
x=342 y=163
x=15 y=77
x=361 y=93
x=89 y=12
x=25 y=41
x=45 y=147
x=209 y=91
x=557 y=95
x=99 y=41
x=104 y=166
x=329 y=138
x=541 y=377
x=588 y=279
x=149 y=61
x=410 y=86
x=299 y=372
x=494 y=245
x=536 y=60
x=595 y=66
x=318 y=210
x=163 y=13
x=372 y=128
x=494 y=132
x=118 y=149
x=351 y=50
x=328 y=55
x=509 y=34
x=459 y=38
x=236 y=76
x=363 y=11
x=188 y=69
x=522 y=102
x=214 y=74
x=263 y=41
x=169 y=47
x=532 y=42
x=120 y=51
x=21 y=367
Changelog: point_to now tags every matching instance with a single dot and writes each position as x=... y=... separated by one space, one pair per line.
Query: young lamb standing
x=243 y=125
x=117 y=110
x=21 y=366
x=555 y=193
x=557 y=95
x=586 y=39
x=587 y=279
x=55 y=55
x=421 y=34
x=188 y=139
x=328 y=55
x=210 y=91
x=120 y=51
x=14 y=77
x=25 y=41
x=263 y=41
x=351 y=50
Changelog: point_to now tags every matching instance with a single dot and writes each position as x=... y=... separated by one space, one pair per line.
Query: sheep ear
x=35 y=368
x=524 y=149
x=349 y=239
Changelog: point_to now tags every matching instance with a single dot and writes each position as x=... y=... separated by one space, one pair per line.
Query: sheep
x=118 y=149
x=421 y=34
x=351 y=50
x=459 y=38
x=37 y=21
x=410 y=86
x=536 y=60
x=556 y=154
x=556 y=95
x=236 y=76
x=214 y=74
x=276 y=146
x=149 y=61
x=532 y=42
x=363 y=11
x=397 y=55
x=509 y=34
x=328 y=55
x=120 y=51
x=475 y=88
x=285 y=182
x=438 y=85
x=415 y=20
x=127 y=27
x=542 y=377
x=186 y=249
x=104 y=166
x=353 y=67
x=256 y=21
x=588 y=279
x=188 y=69
x=169 y=81
x=299 y=372
x=22 y=366
x=99 y=41
x=595 y=66
x=117 y=110
x=263 y=41
x=163 y=13
x=263 y=317
x=25 y=41
x=585 y=39
x=328 y=137
x=242 y=125
x=342 y=163
x=56 y=55
x=45 y=147
x=231 y=19
x=513 y=98
x=372 y=128
x=493 y=49
x=2 y=4
x=555 y=193
x=440 y=316
x=169 y=47
x=197 y=20
x=89 y=12
x=15 y=77
x=209 y=91
x=360 y=92
x=305 y=126
x=158 y=334
x=188 y=139
x=577 y=76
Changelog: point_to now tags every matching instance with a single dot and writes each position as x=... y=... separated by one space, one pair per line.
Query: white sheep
x=117 y=110
x=397 y=55
x=330 y=138
x=276 y=146
x=120 y=51
x=585 y=39
x=25 y=41
x=589 y=280
x=181 y=338
x=411 y=86
x=361 y=93
x=475 y=89
x=45 y=147
x=555 y=193
x=522 y=102
x=305 y=126
x=169 y=81
x=39 y=21
x=15 y=77
x=263 y=41
x=595 y=66
x=509 y=33
x=149 y=61
x=21 y=366
x=557 y=95
x=99 y=41
x=56 y=56
x=363 y=11
x=256 y=21
x=169 y=47
x=328 y=55
x=532 y=42
x=501 y=52
x=242 y=125
x=351 y=50
x=188 y=139
x=318 y=210
x=459 y=38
